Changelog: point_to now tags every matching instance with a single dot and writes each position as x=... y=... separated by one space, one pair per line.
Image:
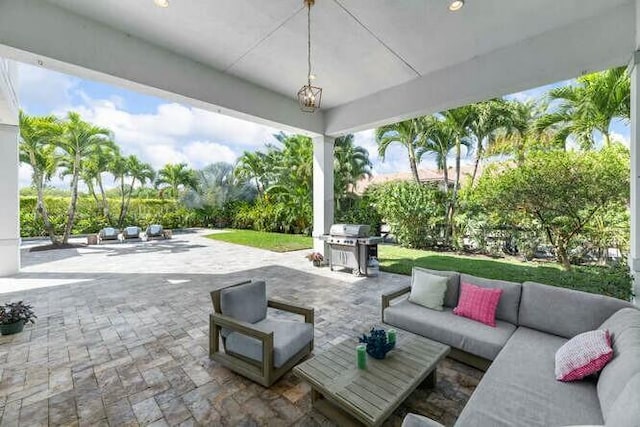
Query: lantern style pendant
x=309 y=96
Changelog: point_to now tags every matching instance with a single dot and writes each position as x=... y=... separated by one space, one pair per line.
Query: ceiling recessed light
x=161 y=3
x=456 y=5
x=312 y=76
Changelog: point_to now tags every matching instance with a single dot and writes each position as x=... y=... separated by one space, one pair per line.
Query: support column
x=322 y=189
x=9 y=201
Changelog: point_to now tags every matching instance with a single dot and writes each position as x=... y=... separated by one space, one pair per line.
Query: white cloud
x=43 y=88
x=202 y=153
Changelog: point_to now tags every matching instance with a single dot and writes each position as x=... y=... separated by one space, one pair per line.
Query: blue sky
x=160 y=131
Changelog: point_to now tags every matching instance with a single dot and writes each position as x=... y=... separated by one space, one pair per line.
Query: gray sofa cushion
x=445 y=327
x=625 y=412
x=289 y=337
x=453 y=285
x=247 y=302
x=624 y=327
x=509 y=300
x=413 y=420
x=520 y=389
x=564 y=312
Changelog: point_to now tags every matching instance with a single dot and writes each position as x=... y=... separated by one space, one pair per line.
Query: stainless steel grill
x=352 y=247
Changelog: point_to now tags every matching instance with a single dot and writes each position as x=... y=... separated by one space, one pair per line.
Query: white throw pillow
x=428 y=289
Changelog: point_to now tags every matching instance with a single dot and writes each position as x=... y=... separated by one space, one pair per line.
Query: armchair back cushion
x=624 y=330
x=564 y=312
x=246 y=302
x=453 y=284
x=509 y=300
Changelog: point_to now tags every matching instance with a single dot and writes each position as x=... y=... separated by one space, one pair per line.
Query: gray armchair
x=107 y=233
x=131 y=233
x=260 y=348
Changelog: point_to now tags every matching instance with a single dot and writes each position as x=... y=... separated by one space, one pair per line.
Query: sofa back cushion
x=509 y=300
x=453 y=285
x=624 y=330
x=564 y=312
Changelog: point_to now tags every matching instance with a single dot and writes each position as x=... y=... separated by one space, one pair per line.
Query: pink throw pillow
x=583 y=355
x=478 y=303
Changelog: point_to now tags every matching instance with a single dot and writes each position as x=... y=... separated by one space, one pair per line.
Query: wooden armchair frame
x=262 y=372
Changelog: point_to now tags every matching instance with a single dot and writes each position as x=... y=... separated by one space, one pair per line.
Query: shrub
x=414 y=211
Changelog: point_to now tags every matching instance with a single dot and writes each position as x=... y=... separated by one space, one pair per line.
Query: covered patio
x=114 y=347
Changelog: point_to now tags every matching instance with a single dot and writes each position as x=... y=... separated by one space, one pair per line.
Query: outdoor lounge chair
x=256 y=346
x=131 y=233
x=155 y=231
x=107 y=233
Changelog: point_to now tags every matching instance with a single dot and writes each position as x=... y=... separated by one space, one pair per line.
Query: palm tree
x=489 y=117
x=94 y=167
x=37 y=150
x=589 y=107
x=457 y=123
x=438 y=142
x=251 y=167
x=79 y=140
x=139 y=172
x=351 y=163
x=407 y=133
x=174 y=176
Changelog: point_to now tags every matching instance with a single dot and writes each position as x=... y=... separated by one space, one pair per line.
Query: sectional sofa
x=533 y=321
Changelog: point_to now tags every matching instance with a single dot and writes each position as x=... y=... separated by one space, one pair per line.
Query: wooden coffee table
x=351 y=396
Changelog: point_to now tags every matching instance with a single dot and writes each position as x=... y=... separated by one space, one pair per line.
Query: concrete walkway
x=122 y=337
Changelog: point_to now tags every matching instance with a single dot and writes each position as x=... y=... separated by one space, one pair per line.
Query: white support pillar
x=322 y=189
x=9 y=201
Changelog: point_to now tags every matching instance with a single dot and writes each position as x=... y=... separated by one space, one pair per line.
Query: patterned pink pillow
x=478 y=303
x=583 y=355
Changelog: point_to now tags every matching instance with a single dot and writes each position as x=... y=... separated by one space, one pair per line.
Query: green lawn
x=600 y=280
x=276 y=242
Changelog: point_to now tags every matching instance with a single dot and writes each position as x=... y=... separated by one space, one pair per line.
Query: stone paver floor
x=122 y=337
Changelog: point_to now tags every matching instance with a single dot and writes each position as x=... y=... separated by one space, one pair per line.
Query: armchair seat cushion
x=289 y=337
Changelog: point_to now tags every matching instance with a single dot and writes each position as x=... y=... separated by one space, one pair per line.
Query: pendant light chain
x=309 y=41
x=309 y=96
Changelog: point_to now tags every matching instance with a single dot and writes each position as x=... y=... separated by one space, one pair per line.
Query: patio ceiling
x=377 y=60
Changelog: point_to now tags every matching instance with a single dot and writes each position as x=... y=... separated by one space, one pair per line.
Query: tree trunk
x=71 y=214
x=413 y=165
x=92 y=191
x=454 y=194
x=122 y=202
x=607 y=138
x=105 y=204
x=563 y=255
x=126 y=205
x=445 y=174
x=475 y=168
x=41 y=208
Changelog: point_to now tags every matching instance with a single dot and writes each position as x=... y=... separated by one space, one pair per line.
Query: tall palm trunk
x=122 y=202
x=71 y=214
x=454 y=195
x=41 y=208
x=476 y=164
x=413 y=164
x=105 y=204
x=126 y=206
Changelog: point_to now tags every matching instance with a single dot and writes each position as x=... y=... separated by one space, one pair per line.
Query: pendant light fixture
x=309 y=96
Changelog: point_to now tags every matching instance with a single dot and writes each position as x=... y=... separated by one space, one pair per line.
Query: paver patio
x=122 y=337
